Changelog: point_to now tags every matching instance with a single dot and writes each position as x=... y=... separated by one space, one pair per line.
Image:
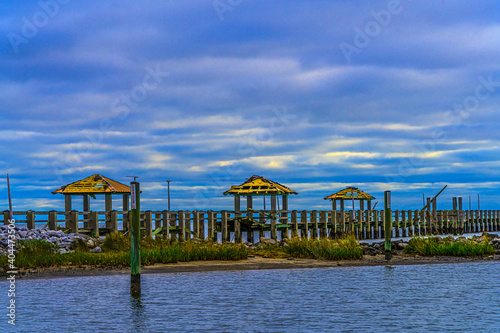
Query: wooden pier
x=231 y=226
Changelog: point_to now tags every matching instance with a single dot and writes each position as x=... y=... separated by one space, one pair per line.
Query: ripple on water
x=447 y=297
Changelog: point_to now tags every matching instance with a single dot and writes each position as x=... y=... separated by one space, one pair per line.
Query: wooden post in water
x=388 y=224
x=135 y=234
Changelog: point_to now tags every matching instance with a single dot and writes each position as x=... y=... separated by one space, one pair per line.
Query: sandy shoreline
x=257 y=263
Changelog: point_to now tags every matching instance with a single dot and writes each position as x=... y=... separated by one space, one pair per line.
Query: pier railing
x=230 y=226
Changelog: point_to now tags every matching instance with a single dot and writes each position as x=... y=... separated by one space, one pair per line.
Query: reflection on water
x=452 y=297
x=138 y=313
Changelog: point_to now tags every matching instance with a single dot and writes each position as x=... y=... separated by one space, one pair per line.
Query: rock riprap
x=58 y=237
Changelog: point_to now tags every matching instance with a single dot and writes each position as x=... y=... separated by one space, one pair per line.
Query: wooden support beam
x=314 y=222
x=196 y=224
x=148 y=221
x=274 y=234
x=182 y=226
x=114 y=220
x=237 y=203
x=303 y=220
x=249 y=202
x=285 y=202
x=165 y=219
x=212 y=232
x=324 y=224
x=125 y=202
x=237 y=228
x=225 y=234
x=30 y=219
x=67 y=203
x=52 y=220
x=108 y=202
x=94 y=223
x=295 y=226
x=73 y=221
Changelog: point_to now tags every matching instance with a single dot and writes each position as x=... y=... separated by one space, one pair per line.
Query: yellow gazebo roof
x=349 y=193
x=95 y=184
x=258 y=185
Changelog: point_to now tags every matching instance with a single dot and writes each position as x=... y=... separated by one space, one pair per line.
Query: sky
x=317 y=95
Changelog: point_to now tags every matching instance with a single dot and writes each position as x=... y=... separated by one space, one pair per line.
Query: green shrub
x=448 y=247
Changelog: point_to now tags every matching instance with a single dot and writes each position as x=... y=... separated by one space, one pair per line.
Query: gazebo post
x=273 y=203
x=342 y=205
x=108 y=202
x=237 y=203
x=86 y=203
x=249 y=202
x=285 y=201
x=361 y=205
x=370 y=205
x=67 y=202
x=125 y=203
x=334 y=205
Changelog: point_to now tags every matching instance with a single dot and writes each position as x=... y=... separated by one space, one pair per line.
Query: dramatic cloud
x=318 y=95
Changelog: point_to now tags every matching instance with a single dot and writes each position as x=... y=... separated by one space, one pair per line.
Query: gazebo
x=90 y=187
x=259 y=186
x=351 y=193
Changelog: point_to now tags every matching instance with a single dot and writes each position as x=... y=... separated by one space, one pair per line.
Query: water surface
x=425 y=298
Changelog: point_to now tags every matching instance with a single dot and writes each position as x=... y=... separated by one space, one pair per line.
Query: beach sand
x=256 y=263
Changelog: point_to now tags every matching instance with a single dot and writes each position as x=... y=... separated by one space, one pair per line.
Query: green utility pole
x=388 y=225
x=135 y=234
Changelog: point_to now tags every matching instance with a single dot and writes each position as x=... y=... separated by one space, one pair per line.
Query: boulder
x=96 y=250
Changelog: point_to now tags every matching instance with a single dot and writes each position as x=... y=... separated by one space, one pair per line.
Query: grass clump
x=448 y=247
x=40 y=253
x=337 y=249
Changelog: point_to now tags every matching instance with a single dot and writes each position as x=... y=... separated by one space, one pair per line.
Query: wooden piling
x=396 y=215
x=196 y=224
x=314 y=222
x=114 y=220
x=303 y=220
x=237 y=228
x=212 y=230
x=295 y=226
x=376 y=229
x=148 y=220
x=165 y=225
x=30 y=219
x=52 y=220
x=403 y=220
x=324 y=225
x=388 y=224
x=73 y=221
x=225 y=234
x=94 y=223
x=135 y=234
x=182 y=226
